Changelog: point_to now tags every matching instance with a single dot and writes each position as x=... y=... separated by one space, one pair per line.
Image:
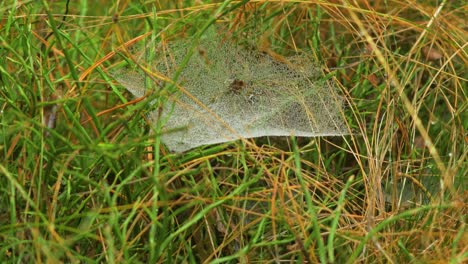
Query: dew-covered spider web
x=227 y=92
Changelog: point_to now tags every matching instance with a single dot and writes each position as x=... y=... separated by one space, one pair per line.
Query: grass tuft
x=85 y=178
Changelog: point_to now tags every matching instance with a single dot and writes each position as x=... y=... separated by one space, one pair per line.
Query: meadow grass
x=83 y=178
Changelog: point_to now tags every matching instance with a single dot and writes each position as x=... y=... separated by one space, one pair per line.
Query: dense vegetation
x=84 y=176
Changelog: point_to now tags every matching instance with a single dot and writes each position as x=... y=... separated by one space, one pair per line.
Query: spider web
x=231 y=92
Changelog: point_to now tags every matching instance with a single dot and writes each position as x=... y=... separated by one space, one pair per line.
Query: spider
x=237 y=86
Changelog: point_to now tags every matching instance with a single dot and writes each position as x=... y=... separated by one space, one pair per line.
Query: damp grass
x=85 y=177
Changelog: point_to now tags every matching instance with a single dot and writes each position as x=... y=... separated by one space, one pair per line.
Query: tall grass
x=83 y=178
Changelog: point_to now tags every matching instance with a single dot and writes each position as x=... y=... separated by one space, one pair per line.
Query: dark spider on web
x=237 y=86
